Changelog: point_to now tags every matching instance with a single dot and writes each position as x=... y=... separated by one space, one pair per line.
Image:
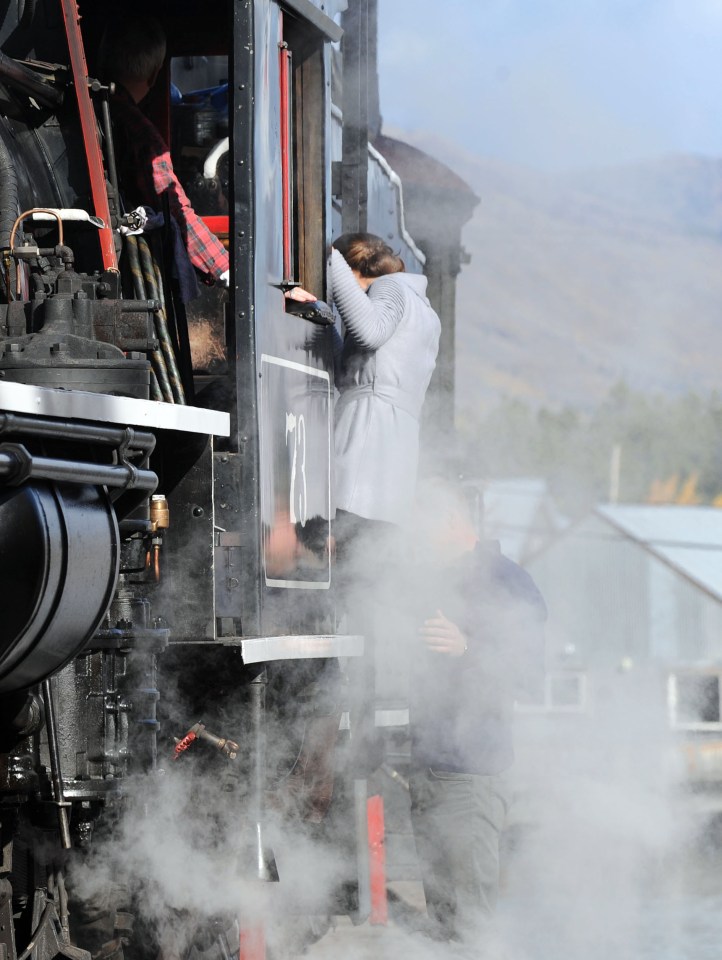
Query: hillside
x=578 y=280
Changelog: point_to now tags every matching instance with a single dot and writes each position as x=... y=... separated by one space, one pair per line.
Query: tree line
x=634 y=447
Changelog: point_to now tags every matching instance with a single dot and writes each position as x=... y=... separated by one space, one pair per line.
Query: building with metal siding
x=635 y=583
x=634 y=652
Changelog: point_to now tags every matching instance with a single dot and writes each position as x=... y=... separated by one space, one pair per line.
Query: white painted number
x=298 y=505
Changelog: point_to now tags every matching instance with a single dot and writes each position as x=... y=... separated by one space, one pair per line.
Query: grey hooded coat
x=389 y=354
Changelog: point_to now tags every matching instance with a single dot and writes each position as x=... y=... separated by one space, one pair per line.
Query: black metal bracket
x=314 y=310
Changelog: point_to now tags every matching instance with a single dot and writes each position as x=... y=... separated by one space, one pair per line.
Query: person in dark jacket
x=480 y=647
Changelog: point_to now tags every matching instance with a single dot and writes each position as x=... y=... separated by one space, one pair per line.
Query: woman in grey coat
x=389 y=353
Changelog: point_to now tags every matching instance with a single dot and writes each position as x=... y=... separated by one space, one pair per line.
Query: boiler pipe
x=57 y=777
x=18 y=465
x=24 y=78
x=265 y=862
x=135 y=440
x=252 y=941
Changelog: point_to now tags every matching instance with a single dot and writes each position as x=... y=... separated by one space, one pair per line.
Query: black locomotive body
x=165 y=499
x=165 y=468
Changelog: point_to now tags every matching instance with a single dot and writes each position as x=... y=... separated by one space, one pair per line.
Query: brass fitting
x=159 y=513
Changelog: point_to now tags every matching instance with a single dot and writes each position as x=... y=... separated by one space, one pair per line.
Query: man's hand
x=443 y=636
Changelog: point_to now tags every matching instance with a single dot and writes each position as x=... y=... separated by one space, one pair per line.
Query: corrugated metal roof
x=687 y=538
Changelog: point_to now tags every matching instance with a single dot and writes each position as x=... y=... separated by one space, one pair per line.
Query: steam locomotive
x=165 y=469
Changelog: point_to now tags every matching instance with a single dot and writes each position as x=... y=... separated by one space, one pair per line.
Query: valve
x=198 y=732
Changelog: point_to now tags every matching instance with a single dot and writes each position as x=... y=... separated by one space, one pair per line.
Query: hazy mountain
x=580 y=279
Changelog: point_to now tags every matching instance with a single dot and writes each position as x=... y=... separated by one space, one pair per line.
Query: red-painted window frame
x=286 y=81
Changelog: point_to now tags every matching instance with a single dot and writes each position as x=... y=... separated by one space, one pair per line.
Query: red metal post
x=89 y=127
x=253 y=942
x=377 y=861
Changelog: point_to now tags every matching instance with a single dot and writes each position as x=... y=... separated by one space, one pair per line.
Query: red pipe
x=253 y=942
x=89 y=127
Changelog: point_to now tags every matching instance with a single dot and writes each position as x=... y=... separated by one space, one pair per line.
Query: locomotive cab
x=111 y=319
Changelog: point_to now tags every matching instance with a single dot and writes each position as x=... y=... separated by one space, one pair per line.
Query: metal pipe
x=19 y=75
x=45 y=918
x=258 y=774
x=159 y=369
x=138 y=306
x=265 y=863
x=139 y=346
x=63 y=912
x=131 y=247
x=354 y=145
x=363 y=863
x=51 y=211
x=179 y=337
x=161 y=323
x=60 y=802
x=16 y=464
x=13 y=423
x=110 y=147
x=68 y=213
x=155 y=391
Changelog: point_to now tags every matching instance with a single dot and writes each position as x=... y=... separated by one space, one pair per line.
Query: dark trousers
x=457 y=819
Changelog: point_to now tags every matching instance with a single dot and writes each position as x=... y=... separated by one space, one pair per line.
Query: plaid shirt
x=146 y=169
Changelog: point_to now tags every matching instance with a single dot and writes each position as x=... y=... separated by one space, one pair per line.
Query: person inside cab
x=131 y=56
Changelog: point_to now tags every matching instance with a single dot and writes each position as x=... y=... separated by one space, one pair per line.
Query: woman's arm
x=369 y=318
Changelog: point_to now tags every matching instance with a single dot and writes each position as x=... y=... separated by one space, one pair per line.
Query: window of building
x=693 y=701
